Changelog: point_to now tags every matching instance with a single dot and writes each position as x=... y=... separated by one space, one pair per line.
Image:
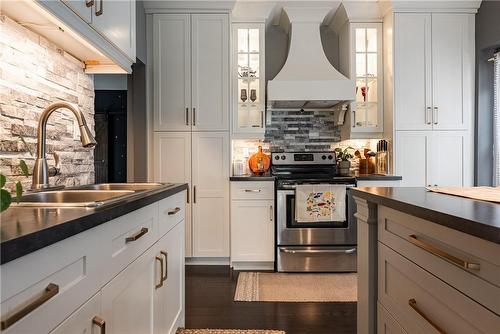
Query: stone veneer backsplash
x=298 y=130
x=33 y=73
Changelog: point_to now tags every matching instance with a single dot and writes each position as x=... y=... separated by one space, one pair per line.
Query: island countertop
x=474 y=217
x=26 y=229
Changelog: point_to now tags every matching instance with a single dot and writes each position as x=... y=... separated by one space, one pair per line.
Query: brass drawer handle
x=174 y=211
x=50 y=291
x=413 y=304
x=159 y=285
x=100 y=323
x=89 y=3
x=253 y=190
x=136 y=236
x=165 y=255
x=100 y=11
x=443 y=255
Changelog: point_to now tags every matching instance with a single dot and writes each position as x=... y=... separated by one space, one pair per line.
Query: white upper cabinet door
x=172 y=72
x=451 y=159
x=452 y=70
x=116 y=21
x=210 y=71
x=411 y=157
x=210 y=194
x=252 y=230
x=412 y=71
x=127 y=301
x=82 y=8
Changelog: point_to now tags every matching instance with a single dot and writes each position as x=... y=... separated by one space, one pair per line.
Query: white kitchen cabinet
x=172 y=72
x=252 y=230
x=248 y=75
x=168 y=301
x=86 y=320
x=433 y=71
x=115 y=20
x=210 y=193
x=191 y=72
x=82 y=8
x=433 y=158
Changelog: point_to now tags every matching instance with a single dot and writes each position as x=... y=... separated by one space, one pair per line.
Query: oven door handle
x=317 y=251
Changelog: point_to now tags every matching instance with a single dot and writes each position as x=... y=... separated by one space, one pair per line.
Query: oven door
x=292 y=233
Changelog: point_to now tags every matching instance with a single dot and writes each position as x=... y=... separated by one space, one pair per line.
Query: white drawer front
x=386 y=324
x=252 y=190
x=428 y=245
x=422 y=303
x=172 y=210
x=65 y=274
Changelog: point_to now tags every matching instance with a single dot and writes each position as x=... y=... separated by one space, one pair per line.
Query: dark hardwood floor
x=209 y=304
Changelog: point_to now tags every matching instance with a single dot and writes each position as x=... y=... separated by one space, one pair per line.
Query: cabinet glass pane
x=242 y=40
x=253 y=93
x=243 y=92
x=360 y=114
x=243 y=70
x=371 y=65
x=371 y=114
x=371 y=40
x=254 y=40
x=360 y=40
x=361 y=90
x=253 y=71
x=360 y=64
x=371 y=91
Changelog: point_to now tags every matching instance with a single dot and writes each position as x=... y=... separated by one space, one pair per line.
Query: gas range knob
x=323 y=157
x=330 y=157
x=277 y=157
x=283 y=157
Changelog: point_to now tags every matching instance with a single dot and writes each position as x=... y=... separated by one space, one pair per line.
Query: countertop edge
x=26 y=244
x=467 y=226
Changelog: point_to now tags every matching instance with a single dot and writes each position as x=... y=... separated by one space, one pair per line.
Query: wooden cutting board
x=490 y=194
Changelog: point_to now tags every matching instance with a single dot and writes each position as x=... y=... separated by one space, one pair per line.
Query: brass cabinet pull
x=159 y=285
x=187 y=116
x=136 y=236
x=50 y=291
x=89 y=3
x=174 y=211
x=271 y=212
x=262 y=118
x=252 y=190
x=100 y=11
x=194 y=194
x=187 y=195
x=428 y=115
x=353 y=118
x=194 y=116
x=435 y=115
x=413 y=304
x=100 y=323
x=165 y=255
x=443 y=255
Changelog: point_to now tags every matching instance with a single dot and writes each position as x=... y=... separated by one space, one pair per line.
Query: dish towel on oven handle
x=320 y=202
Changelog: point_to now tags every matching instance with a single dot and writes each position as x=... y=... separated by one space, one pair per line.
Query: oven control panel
x=303 y=158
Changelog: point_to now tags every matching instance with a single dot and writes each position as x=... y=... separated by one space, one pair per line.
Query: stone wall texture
x=33 y=73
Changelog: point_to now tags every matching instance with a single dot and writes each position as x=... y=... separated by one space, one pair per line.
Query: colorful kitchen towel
x=320 y=202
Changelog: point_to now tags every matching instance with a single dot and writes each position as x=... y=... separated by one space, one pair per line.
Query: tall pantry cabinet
x=433 y=59
x=191 y=122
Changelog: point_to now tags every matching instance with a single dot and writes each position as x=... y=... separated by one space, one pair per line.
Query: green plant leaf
x=24 y=168
x=5 y=200
x=19 y=191
x=3 y=179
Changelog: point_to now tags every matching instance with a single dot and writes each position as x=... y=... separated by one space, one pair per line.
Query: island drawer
x=41 y=289
x=422 y=303
x=252 y=190
x=467 y=263
x=171 y=211
x=386 y=324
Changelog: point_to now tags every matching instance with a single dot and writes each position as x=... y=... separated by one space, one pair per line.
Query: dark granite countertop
x=265 y=177
x=26 y=229
x=477 y=218
x=378 y=177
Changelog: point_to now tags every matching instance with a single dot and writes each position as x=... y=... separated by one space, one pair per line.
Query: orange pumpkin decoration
x=259 y=162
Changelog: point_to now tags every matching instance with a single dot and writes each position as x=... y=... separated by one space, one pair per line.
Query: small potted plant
x=343 y=157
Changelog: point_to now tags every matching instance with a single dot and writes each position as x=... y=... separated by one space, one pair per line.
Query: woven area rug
x=284 y=287
x=227 y=331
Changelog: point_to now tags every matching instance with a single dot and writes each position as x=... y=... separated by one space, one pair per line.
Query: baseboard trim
x=247 y=265
x=207 y=261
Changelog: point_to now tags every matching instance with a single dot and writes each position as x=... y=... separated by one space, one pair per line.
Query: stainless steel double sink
x=90 y=196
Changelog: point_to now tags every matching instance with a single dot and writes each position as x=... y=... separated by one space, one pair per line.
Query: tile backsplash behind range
x=299 y=130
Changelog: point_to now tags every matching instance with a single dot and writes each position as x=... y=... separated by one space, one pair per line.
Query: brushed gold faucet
x=41 y=171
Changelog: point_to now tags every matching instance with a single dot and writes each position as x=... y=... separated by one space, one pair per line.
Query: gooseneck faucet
x=41 y=170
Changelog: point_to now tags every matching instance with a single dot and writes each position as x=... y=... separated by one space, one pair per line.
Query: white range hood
x=308 y=79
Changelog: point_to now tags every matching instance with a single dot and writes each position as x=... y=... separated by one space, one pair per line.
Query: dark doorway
x=110 y=155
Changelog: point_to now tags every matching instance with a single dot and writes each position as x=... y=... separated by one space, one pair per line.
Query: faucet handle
x=56 y=170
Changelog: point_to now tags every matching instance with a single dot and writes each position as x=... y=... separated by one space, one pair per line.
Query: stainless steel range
x=323 y=246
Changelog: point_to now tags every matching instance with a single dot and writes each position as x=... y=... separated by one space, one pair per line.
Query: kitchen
x=279 y=155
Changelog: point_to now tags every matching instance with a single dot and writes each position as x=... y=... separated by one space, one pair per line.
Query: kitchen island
x=427 y=262
x=116 y=268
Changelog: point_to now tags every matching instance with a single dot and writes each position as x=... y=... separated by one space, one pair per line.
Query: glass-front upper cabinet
x=248 y=79
x=366 y=52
